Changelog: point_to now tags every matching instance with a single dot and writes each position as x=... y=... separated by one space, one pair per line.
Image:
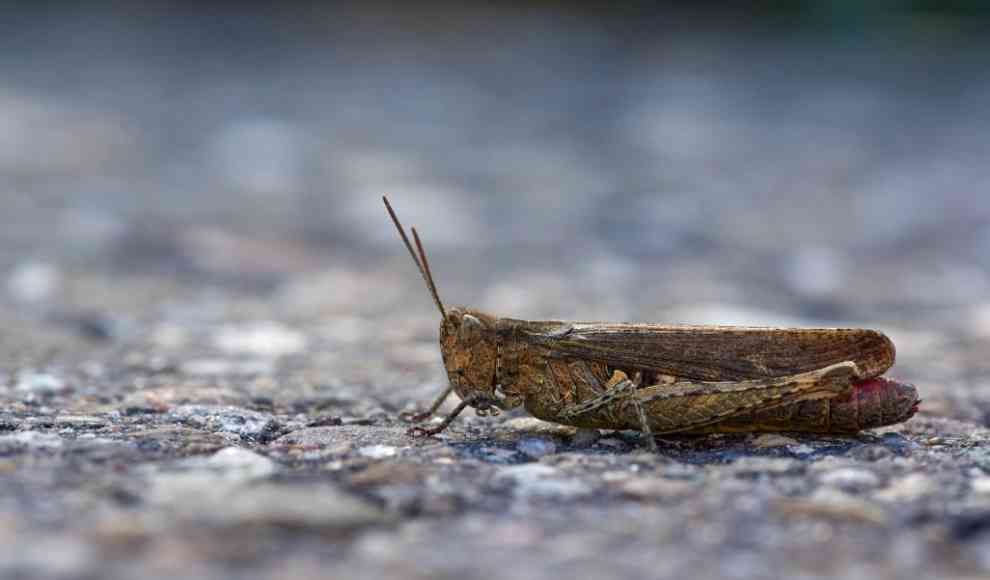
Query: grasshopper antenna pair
x=423 y=265
x=421 y=262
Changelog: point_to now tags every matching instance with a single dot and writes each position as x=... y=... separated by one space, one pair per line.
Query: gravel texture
x=208 y=329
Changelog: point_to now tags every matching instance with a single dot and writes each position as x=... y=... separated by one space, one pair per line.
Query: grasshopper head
x=468 y=345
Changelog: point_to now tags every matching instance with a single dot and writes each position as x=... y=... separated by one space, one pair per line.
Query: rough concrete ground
x=208 y=329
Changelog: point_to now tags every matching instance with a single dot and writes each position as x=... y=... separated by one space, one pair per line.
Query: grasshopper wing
x=713 y=353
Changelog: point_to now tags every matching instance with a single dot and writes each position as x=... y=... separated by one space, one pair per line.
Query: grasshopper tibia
x=420 y=417
x=428 y=431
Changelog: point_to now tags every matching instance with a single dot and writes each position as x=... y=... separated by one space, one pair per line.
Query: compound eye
x=470 y=331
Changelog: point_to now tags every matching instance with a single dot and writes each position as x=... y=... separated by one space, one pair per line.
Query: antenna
x=423 y=266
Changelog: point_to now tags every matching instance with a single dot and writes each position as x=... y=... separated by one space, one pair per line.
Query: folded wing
x=714 y=353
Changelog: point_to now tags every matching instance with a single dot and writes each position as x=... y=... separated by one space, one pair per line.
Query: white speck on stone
x=378 y=451
x=536 y=447
x=538 y=480
x=263 y=339
x=247 y=463
x=33 y=281
x=40 y=383
x=851 y=479
x=801 y=449
x=908 y=488
x=981 y=486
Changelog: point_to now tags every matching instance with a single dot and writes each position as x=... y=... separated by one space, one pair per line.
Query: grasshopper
x=658 y=378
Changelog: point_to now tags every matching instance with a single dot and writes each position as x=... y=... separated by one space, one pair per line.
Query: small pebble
x=263 y=339
x=378 y=451
x=768 y=440
x=43 y=383
x=538 y=480
x=249 y=425
x=536 y=447
x=655 y=487
x=34 y=281
x=908 y=488
x=981 y=486
x=851 y=479
x=247 y=463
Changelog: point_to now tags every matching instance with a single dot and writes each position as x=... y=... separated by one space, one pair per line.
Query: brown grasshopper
x=659 y=378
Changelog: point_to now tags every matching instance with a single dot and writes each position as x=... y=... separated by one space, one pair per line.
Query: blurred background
x=779 y=162
x=208 y=325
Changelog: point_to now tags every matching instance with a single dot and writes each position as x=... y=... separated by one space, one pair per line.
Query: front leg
x=420 y=417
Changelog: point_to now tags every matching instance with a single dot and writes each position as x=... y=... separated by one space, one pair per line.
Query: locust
x=663 y=379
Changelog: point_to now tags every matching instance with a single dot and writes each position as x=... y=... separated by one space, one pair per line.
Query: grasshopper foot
x=423 y=432
x=418 y=431
x=413 y=417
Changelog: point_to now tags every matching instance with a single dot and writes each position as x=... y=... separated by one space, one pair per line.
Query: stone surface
x=249 y=425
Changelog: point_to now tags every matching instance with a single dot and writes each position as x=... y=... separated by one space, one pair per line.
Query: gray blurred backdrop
x=785 y=155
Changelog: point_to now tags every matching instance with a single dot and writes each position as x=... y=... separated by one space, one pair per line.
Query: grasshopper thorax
x=469 y=346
